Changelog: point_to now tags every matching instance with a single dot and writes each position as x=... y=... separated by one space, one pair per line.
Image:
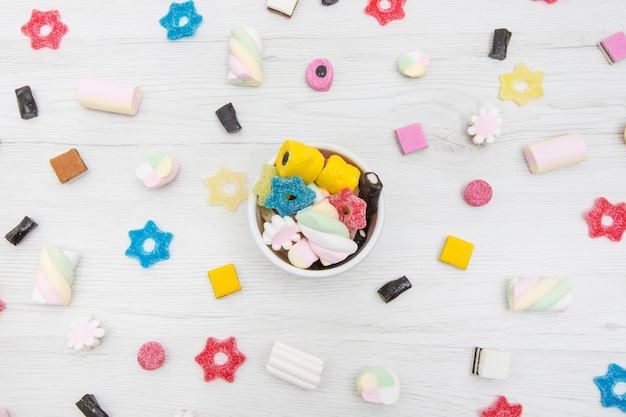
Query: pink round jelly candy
x=478 y=193
x=151 y=356
x=319 y=74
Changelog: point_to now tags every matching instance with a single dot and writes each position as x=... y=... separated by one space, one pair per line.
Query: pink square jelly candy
x=411 y=138
x=614 y=47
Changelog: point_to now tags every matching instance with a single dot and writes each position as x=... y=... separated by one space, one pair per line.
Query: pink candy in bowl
x=316 y=211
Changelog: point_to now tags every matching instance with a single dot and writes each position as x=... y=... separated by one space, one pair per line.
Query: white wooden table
x=534 y=224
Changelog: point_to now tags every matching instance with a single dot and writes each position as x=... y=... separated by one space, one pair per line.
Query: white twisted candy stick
x=55 y=276
x=245 y=57
x=539 y=294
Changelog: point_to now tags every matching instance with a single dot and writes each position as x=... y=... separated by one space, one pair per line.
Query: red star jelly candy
x=614 y=222
x=383 y=14
x=209 y=363
x=502 y=408
x=39 y=20
x=351 y=209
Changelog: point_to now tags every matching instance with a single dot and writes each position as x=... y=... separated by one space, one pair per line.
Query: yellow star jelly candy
x=227 y=198
x=510 y=85
x=263 y=185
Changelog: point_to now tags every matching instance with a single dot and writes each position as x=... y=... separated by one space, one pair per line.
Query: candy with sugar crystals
x=297 y=159
x=150 y=232
x=174 y=17
x=20 y=231
x=55 y=276
x=110 y=96
x=337 y=174
x=617 y=214
x=539 y=294
x=289 y=195
x=158 y=170
x=88 y=405
x=607 y=385
x=220 y=195
x=532 y=80
x=614 y=47
x=151 y=356
x=478 y=193
x=245 y=57
x=384 y=15
x=263 y=185
x=319 y=74
x=26 y=102
x=295 y=366
x=39 y=19
x=351 y=209
x=502 y=408
x=226 y=370
x=378 y=385
x=490 y=363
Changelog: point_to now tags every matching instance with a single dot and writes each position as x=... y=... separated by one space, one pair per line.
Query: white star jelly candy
x=159 y=169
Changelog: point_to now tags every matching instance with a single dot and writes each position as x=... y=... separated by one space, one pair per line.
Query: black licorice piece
x=360 y=237
x=26 y=102
x=329 y=2
x=393 y=289
x=89 y=406
x=228 y=118
x=20 y=231
x=501 y=38
x=370 y=187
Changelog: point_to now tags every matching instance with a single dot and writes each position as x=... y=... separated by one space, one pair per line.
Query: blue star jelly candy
x=150 y=232
x=606 y=384
x=184 y=13
x=289 y=195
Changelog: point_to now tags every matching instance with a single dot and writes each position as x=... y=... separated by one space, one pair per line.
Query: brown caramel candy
x=68 y=165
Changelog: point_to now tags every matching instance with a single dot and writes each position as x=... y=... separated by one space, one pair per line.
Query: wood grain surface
x=534 y=224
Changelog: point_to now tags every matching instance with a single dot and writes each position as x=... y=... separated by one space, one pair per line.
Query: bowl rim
x=318 y=273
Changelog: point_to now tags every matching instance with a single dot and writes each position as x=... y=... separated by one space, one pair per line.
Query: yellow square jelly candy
x=224 y=280
x=456 y=252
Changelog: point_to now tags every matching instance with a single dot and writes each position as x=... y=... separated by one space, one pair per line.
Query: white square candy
x=493 y=364
x=284 y=7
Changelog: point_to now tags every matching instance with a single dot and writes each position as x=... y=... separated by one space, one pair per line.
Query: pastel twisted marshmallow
x=55 y=276
x=245 y=57
x=328 y=237
x=539 y=294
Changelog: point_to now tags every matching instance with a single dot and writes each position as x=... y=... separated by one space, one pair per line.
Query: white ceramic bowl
x=280 y=258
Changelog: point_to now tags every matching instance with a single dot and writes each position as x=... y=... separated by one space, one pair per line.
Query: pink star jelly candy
x=212 y=369
x=39 y=20
x=351 y=209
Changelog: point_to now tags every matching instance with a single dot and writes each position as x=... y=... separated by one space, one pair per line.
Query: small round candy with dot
x=151 y=356
x=319 y=74
x=478 y=193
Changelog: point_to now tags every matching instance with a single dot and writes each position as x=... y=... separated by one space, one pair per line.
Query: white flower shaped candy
x=281 y=232
x=485 y=126
x=85 y=333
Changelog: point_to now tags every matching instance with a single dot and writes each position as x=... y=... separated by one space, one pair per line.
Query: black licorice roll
x=391 y=290
x=20 y=231
x=26 y=102
x=228 y=118
x=89 y=406
x=501 y=38
x=370 y=187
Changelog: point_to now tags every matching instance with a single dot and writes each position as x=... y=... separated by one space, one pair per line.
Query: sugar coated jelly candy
x=151 y=356
x=502 y=408
x=174 y=17
x=617 y=213
x=297 y=159
x=385 y=15
x=38 y=20
x=160 y=251
x=55 y=276
x=226 y=370
x=263 y=185
x=351 y=209
x=607 y=385
x=289 y=195
x=319 y=74
x=337 y=175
